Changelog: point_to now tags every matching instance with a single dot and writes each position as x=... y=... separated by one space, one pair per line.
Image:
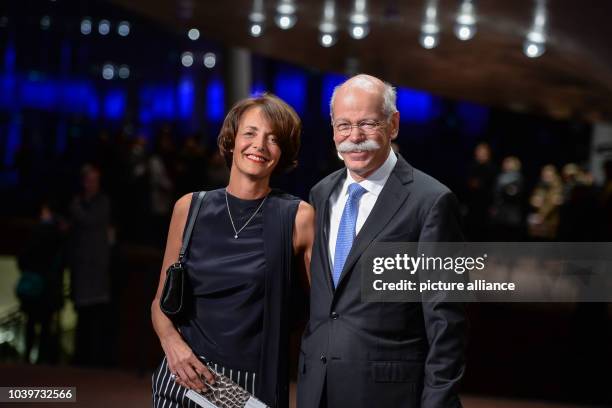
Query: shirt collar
x=376 y=181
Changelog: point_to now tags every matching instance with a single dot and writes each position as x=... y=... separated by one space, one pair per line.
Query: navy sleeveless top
x=238 y=316
x=226 y=275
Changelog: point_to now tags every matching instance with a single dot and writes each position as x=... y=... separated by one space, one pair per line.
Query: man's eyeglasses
x=368 y=127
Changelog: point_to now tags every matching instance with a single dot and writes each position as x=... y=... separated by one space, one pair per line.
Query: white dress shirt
x=373 y=184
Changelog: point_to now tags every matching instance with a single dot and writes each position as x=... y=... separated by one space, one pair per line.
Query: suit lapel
x=391 y=198
x=323 y=221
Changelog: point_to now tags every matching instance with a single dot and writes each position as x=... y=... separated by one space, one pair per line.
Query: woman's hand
x=190 y=372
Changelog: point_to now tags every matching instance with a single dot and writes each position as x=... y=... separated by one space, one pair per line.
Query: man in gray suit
x=359 y=354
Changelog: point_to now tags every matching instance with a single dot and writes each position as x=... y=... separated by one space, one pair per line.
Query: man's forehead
x=357 y=99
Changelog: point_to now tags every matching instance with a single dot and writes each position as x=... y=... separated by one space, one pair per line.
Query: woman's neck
x=247 y=188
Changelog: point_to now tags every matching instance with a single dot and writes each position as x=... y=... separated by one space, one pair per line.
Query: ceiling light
x=187 y=59
x=45 y=22
x=285 y=14
x=535 y=41
x=123 y=29
x=328 y=27
x=359 y=27
x=327 y=40
x=256 y=30
x=210 y=59
x=108 y=71
x=257 y=18
x=193 y=34
x=430 y=28
x=86 y=26
x=104 y=27
x=465 y=23
x=124 y=72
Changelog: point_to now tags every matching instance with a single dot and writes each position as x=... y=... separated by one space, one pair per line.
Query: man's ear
x=395 y=121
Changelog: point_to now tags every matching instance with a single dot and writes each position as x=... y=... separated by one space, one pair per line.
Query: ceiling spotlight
x=286 y=22
x=327 y=40
x=465 y=23
x=533 y=50
x=429 y=41
x=359 y=27
x=108 y=71
x=256 y=30
x=328 y=27
x=86 y=26
x=123 y=29
x=535 y=43
x=285 y=14
x=430 y=29
x=359 y=31
x=257 y=18
x=187 y=59
x=124 y=72
x=210 y=59
x=193 y=34
x=104 y=27
x=45 y=22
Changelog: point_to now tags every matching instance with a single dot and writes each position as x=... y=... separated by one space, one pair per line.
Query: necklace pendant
x=236 y=236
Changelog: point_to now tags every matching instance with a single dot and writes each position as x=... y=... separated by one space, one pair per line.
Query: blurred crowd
x=563 y=205
x=87 y=201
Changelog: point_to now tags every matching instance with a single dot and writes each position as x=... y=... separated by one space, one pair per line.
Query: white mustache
x=366 y=146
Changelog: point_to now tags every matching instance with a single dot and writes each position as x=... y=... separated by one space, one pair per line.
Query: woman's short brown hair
x=285 y=124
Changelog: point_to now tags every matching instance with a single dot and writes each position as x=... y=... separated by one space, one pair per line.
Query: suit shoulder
x=314 y=191
x=429 y=187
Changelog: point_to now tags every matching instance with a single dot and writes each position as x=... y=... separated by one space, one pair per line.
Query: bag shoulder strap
x=190 y=223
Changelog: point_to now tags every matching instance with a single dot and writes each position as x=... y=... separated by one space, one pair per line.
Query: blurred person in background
x=480 y=184
x=40 y=286
x=248 y=244
x=192 y=166
x=579 y=214
x=605 y=202
x=161 y=186
x=137 y=200
x=507 y=210
x=545 y=200
x=91 y=236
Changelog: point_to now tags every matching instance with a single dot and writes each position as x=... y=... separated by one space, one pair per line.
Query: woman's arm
x=303 y=237
x=181 y=359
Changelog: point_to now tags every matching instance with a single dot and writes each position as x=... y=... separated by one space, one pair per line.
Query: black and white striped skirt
x=168 y=394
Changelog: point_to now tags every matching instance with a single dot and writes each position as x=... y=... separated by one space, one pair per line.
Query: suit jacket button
x=334 y=315
x=323 y=359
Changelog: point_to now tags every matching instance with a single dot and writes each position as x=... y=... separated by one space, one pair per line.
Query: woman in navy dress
x=248 y=245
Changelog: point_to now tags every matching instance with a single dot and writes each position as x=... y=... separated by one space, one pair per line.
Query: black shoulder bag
x=174 y=296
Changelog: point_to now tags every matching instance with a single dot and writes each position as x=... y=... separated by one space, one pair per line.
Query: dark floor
x=117 y=389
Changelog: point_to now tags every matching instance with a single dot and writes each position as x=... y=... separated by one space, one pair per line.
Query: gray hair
x=389 y=98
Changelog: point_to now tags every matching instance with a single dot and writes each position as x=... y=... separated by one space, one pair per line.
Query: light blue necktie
x=346 y=230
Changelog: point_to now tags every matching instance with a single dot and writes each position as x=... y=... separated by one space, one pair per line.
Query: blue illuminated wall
x=215 y=101
x=417 y=106
x=290 y=86
x=329 y=82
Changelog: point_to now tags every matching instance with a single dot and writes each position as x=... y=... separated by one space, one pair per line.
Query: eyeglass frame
x=347 y=132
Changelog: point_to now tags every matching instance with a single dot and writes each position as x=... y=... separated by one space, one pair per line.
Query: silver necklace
x=249 y=220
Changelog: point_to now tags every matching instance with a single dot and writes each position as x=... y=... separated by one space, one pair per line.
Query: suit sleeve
x=445 y=322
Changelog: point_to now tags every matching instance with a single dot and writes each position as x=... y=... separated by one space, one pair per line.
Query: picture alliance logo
x=411 y=264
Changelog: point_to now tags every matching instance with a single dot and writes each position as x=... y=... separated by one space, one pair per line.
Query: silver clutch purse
x=224 y=393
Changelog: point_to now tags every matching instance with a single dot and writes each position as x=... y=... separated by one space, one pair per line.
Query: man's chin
x=358 y=167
